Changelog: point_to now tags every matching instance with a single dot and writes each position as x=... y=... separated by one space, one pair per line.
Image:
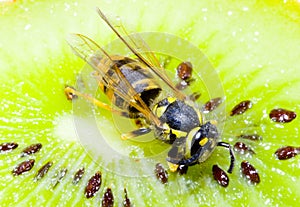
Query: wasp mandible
x=131 y=85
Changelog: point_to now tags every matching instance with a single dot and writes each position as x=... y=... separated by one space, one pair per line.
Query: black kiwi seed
x=34 y=148
x=253 y=137
x=220 y=176
x=287 y=152
x=43 y=171
x=242 y=148
x=8 y=146
x=250 y=172
x=78 y=175
x=93 y=185
x=241 y=108
x=108 y=198
x=59 y=176
x=282 y=115
x=212 y=104
x=184 y=70
x=126 y=201
x=161 y=173
x=23 y=167
x=195 y=96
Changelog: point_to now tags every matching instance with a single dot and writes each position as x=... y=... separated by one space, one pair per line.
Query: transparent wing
x=142 y=51
x=177 y=151
x=92 y=53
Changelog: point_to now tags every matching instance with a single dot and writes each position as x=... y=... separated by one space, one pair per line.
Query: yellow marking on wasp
x=159 y=110
x=173 y=167
x=171 y=99
x=203 y=141
x=154 y=108
x=179 y=133
x=200 y=117
x=214 y=122
x=189 y=139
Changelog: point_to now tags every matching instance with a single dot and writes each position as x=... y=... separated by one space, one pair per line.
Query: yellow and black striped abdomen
x=135 y=74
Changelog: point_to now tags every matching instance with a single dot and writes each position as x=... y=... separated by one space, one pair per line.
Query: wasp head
x=196 y=147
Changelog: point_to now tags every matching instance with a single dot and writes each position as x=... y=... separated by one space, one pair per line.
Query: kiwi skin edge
x=234 y=35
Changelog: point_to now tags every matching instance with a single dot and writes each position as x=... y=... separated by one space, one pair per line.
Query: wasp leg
x=135 y=133
x=72 y=93
x=232 y=158
x=188 y=162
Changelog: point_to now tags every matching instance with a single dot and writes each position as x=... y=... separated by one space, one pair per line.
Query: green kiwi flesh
x=253 y=47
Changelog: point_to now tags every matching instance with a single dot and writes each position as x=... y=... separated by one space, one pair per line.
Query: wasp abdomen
x=139 y=78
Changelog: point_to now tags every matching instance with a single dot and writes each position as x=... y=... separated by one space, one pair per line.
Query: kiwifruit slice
x=253 y=47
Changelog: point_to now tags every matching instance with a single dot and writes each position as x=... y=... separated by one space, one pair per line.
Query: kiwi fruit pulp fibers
x=252 y=47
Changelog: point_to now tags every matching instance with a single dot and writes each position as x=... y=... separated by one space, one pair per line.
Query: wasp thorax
x=177 y=118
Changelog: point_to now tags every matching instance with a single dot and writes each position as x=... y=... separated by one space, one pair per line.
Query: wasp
x=131 y=85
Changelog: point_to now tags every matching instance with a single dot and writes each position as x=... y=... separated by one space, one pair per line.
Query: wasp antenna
x=232 y=158
x=101 y=14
